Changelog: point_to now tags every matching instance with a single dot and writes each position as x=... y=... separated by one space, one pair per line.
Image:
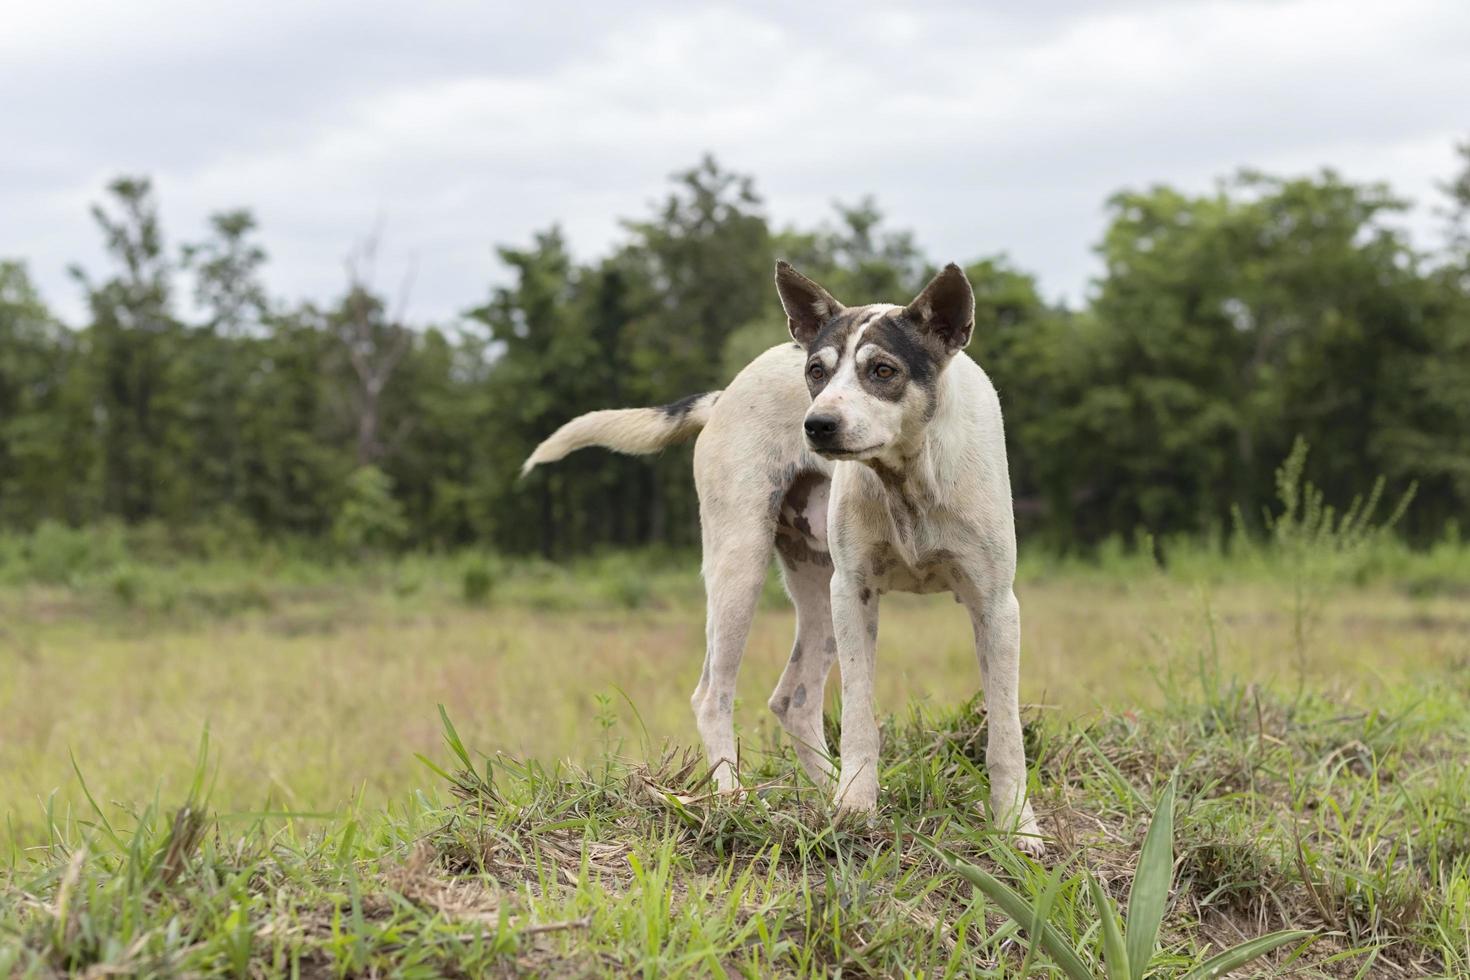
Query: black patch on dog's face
x=833 y=334
x=901 y=346
x=896 y=336
x=917 y=358
x=816 y=384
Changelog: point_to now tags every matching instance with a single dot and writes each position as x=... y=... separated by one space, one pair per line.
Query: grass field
x=1318 y=728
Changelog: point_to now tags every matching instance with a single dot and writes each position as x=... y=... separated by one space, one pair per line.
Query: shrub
x=126 y=586
x=58 y=554
x=370 y=518
x=477 y=581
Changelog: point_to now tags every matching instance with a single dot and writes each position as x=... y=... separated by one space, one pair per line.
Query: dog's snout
x=821 y=428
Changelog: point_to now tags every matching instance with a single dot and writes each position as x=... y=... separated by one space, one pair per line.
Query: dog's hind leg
x=798 y=698
x=737 y=552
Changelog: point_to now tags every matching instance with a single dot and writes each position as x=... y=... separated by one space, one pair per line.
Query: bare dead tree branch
x=376 y=342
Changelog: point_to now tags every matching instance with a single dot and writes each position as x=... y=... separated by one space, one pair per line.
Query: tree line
x=1223 y=326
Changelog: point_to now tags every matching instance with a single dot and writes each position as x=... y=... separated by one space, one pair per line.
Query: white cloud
x=469 y=125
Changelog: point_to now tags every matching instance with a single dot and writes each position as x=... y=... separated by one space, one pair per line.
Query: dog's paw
x=1033 y=847
x=857 y=798
x=1022 y=831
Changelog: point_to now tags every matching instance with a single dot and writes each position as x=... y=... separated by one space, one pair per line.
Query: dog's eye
x=816 y=372
x=883 y=372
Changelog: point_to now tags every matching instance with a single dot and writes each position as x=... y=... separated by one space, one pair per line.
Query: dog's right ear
x=808 y=306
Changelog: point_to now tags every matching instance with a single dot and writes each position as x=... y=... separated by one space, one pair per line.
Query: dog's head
x=873 y=371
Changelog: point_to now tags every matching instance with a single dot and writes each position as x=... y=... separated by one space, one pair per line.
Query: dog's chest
x=912 y=550
x=933 y=570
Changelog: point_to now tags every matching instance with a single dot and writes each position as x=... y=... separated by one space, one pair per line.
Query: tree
x=229 y=290
x=295 y=459
x=1227 y=325
x=374 y=342
x=1224 y=325
x=45 y=446
x=535 y=382
x=145 y=451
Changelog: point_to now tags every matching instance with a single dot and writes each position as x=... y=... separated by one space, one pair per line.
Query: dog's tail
x=634 y=431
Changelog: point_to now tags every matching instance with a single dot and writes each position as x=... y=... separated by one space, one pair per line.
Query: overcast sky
x=983 y=127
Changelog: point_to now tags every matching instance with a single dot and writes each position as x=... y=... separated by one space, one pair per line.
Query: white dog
x=870 y=457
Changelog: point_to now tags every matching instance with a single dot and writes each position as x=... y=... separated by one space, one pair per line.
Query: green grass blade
x=1013 y=905
x=646 y=741
x=1114 y=952
x=1238 y=956
x=96 y=808
x=1042 y=912
x=1149 y=894
x=435 y=769
x=201 y=769
x=1119 y=780
x=451 y=738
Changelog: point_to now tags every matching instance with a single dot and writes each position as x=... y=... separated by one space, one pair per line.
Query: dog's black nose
x=821 y=428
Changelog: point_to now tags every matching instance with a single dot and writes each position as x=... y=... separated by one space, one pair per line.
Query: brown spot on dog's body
x=800 y=505
x=931 y=571
x=781 y=480
x=865 y=595
x=799 y=698
x=884 y=559
x=797 y=550
x=796 y=653
x=939 y=556
x=801 y=486
x=782 y=705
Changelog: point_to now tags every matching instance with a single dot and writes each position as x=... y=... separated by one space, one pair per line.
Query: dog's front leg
x=855 y=622
x=996 y=617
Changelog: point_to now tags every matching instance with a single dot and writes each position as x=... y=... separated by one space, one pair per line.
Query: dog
x=869 y=455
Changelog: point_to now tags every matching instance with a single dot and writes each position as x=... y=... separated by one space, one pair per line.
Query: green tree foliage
x=370 y=519
x=140 y=401
x=1224 y=326
x=1228 y=324
x=46 y=442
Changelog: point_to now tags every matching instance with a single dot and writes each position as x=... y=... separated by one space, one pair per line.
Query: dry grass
x=320 y=698
x=1317 y=747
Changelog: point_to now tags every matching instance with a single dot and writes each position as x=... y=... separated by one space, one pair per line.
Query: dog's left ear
x=945 y=309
